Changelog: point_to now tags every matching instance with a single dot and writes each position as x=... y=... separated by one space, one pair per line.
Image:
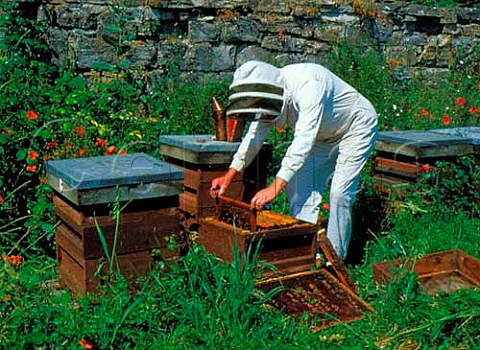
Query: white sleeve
x=250 y=145
x=313 y=102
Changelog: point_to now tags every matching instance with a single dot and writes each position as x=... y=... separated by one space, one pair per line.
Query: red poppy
x=79 y=130
x=394 y=129
x=478 y=86
x=424 y=112
x=43 y=180
x=122 y=152
x=446 y=119
x=86 y=344
x=474 y=110
x=426 y=168
x=12 y=259
x=52 y=144
x=326 y=206
x=70 y=147
x=100 y=142
x=460 y=101
x=33 y=155
x=32 y=115
x=7 y=297
x=32 y=168
x=1 y=199
x=110 y=150
x=82 y=151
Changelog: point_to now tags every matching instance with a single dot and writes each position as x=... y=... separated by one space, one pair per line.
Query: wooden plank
x=391 y=166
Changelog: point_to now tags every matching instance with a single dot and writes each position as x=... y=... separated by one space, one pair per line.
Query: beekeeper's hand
x=220 y=184
x=268 y=194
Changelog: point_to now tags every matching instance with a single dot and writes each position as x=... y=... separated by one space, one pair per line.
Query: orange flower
x=82 y=151
x=79 y=130
x=426 y=168
x=7 y=297
x=326 y=206
x=446 y=120
x=122 y=152
x=460 y=101
x=474 y=110
x=110 y=150
x=52 y=144
x=32 y=115
x=86 y=344
x=424 y=112
x=70 y=147
x=12 y=259
x=33 y=155
x=100 y=142
x=32 y=168
x=43 y=180
x=1 y=199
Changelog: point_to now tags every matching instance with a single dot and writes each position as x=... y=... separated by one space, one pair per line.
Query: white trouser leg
x=306 y=188
x=354 y=150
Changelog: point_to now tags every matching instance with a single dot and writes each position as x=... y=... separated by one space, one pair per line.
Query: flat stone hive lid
x=428 y=143
x=199 y=143
x=107 y=171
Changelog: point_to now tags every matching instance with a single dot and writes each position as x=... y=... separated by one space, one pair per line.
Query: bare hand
x=263 y=197
x=219 y=186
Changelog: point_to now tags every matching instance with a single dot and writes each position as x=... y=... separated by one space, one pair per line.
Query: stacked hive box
x=403 y=157
x=202 y=159
x=91 y=241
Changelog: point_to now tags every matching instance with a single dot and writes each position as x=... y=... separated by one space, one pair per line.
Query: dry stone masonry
x=214 y=36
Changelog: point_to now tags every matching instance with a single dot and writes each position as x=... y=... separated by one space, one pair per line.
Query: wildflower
x=32 y=115
x=326 y=206
x=43 y=180
x=52 y=144
x=7 y=297
x=460 y=101
x=122 y=152
x=426 y=168
x=395 y=130
x=1 y=199
x=79 y=130
x=12 y=259
x=478 y=86
x=474 y=110
x=86 y=344
x=82 y=152
x=110 y=150
x=69 y=147
x=100 y=142
x=33 y=155
x=424 y=112
x=32 y=168
x=446 y=120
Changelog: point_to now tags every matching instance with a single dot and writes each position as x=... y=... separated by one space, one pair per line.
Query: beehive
x=90 y=239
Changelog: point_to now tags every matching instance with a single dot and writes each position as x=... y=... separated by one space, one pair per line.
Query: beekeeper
x=334 y=132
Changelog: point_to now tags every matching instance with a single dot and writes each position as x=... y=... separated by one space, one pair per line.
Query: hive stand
x=90 y=242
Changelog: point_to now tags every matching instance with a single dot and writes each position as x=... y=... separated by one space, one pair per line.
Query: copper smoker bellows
x=219 y=116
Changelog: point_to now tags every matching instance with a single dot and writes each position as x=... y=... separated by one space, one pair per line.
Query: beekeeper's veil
x=256 y=92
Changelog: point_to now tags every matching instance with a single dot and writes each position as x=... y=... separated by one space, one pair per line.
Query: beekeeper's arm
x=246 y=152
x=312 y=102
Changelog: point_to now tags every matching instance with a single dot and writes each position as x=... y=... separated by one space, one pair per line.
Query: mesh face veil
x=256 y=92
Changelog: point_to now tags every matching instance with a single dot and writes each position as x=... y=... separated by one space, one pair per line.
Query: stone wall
x=215 y=36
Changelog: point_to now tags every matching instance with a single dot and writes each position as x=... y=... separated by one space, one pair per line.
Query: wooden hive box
x=291 y=246
x=445 y=271
x=202 y=159
x=88 y=235
x=400 y=156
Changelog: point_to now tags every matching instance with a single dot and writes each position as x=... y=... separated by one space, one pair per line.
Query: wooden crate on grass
x=445 y=271
x=89 y=234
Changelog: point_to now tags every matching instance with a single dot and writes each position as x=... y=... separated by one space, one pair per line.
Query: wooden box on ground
x=202 y=159
x=445 y=271
x=403 y=157
x=324 y=292
x=90 y=239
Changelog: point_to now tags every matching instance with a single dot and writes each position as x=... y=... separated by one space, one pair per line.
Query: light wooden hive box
x=85 y=190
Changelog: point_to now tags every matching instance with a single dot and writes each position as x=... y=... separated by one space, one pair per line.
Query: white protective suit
x=334 y=132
